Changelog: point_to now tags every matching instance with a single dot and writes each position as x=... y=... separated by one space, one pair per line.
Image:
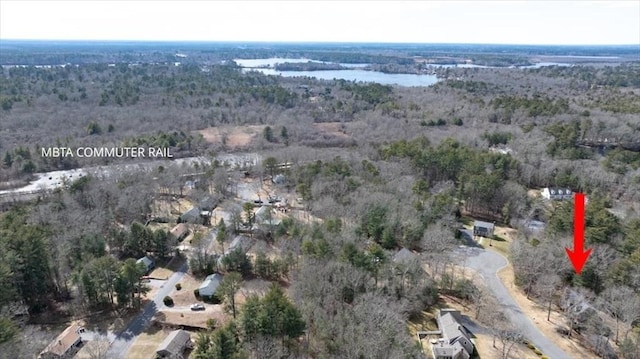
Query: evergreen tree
x=221 y=236
x=8 y=160
x=227 y=291
x=268 y=134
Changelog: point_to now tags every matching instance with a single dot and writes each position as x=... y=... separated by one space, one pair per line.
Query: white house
x=210 y=285
x=558 y=194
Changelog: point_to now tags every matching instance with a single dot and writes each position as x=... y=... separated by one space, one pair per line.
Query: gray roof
x=174 y=343
x=210 y=285
x=208 y=203
x=148 y=262
x=487 y=225
x=242 y=242
x=456 y=341
x=279 y=179
x=192 y=215
x=266 y=215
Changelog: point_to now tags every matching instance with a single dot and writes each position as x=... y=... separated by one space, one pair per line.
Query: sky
x=606 y=22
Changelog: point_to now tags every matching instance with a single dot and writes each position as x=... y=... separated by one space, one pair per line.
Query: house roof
x=242 y=242
x=452 y=332
x=264 y=211
x=191 y=215
x=146 y=261
x=266 y=215
x=210 y=284
x=175 y=342
x=179 y=230
x=279 y=179
x=64 y=341
x=487 y=225
x=208 y=203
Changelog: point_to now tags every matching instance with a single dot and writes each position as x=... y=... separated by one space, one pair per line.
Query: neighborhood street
x=487 y=264
x=126 y=337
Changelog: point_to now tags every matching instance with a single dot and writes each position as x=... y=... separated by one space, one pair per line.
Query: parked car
x=197 y=306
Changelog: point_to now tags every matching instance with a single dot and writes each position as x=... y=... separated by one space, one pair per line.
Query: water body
x=473 y=66
x=409 y=80
x=273 y=61
x=353 y=73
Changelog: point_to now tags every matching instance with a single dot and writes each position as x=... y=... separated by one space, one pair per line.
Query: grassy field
x=146 y=344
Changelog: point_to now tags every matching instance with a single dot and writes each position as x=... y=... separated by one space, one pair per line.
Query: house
x=279 y=179
x=242 y=243
x=239 y=242
x=265 y=216
x=558 y=194
x=210 y=285
x=148 y=263
x=483 y=229
x=456 y=340
x=191 y=216
x=403 y=256
x=179 y=232
x=65 y=345
x=208 y=203
x=174 y=344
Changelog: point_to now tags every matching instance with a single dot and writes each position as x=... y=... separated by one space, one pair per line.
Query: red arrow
x=578 y=257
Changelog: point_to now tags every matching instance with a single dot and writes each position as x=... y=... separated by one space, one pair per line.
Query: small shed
x=174 y=344
x=210 y=285
x=148 y=263
x=483 y=229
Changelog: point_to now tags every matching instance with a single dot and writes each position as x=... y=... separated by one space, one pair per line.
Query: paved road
x=126 y=337
x=487 y=264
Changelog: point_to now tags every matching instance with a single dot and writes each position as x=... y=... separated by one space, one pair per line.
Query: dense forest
x=382 y=167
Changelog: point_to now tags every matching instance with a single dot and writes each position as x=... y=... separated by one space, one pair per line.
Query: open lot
x=146 y=344
x=233 y=137
x=184 y=296
x=186 y=317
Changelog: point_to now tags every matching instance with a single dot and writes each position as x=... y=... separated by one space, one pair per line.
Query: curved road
x=123 y=340
x=487 y=264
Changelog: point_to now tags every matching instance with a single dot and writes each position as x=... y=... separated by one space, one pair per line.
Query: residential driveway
x=126 y=337
x=487 y=264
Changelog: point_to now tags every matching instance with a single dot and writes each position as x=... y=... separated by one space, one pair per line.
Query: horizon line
x=307 y=42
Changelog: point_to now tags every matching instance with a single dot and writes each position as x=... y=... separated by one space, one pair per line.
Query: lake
x=273 y=61
x=355 y=73
x=409 y=80
x=266 y=66
x=473 y=66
